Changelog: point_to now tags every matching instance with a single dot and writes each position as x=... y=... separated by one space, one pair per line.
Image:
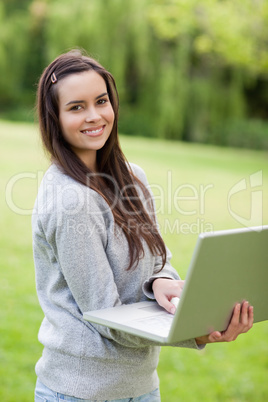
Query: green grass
x=225 y=372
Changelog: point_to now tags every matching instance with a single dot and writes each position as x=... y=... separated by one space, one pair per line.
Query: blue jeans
x=44 y=394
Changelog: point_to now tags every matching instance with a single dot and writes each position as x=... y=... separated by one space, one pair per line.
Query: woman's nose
x=92 y=115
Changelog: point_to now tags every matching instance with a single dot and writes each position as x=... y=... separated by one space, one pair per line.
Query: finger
x=244 y=318
x=236 y=314
x=232 y=330
x=164 y=302
x=241 y=321
x=247 y=317
x=251 y=315
x=215 y=336
x=174 y=301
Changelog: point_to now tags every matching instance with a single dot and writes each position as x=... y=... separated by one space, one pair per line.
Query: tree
x=195 y=70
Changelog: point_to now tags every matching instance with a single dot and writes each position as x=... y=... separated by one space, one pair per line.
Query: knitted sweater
x=80 y=260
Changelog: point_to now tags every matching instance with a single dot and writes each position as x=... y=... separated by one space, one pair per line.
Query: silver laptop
x=227 y=267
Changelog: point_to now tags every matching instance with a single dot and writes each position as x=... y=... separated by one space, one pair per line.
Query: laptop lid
x=226 y=267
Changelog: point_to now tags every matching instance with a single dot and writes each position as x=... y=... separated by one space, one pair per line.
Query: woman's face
x=85 y=113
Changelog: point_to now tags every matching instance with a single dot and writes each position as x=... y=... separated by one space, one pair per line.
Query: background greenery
x=234 y=372
x=194 y=70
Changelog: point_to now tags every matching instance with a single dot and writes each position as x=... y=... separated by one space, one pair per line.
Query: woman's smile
x=93 y=132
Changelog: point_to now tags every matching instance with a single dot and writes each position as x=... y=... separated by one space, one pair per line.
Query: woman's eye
x=76 y=107
x=102 y=101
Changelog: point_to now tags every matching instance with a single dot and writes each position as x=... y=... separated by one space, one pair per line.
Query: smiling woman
x=96 y=245
x=90 y=249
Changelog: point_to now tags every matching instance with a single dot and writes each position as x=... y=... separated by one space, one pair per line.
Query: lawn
x=197 y=188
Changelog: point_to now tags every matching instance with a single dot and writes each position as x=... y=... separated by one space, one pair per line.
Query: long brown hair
x=120 y=189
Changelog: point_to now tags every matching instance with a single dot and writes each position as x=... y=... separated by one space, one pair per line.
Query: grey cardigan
x=80 y=260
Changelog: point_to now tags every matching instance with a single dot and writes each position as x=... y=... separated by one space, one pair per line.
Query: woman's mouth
x=93 y=132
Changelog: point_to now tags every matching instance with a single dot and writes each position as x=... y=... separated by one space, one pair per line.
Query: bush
x=251 y=134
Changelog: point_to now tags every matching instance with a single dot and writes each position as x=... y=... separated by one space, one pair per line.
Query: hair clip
x=54 y=79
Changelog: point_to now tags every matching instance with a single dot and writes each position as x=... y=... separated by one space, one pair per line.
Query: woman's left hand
x=241 y=322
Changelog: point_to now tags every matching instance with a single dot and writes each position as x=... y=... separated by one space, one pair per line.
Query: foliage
x=184 y=69
x=229 y=32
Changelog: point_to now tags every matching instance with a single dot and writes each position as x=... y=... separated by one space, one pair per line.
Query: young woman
x=96 y=245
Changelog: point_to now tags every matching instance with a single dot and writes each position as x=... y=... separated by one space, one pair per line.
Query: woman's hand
x=164 y=290
x=241 y=322
x=242 y=319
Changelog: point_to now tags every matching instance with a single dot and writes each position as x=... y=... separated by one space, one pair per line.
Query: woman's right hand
x=164 y=290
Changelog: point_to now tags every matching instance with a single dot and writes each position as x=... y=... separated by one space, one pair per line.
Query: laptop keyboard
x=158 y=324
